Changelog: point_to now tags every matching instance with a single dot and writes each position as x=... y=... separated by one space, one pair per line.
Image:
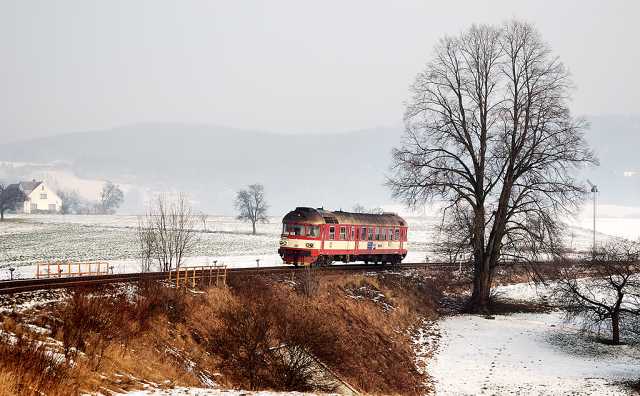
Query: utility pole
x=594 y=190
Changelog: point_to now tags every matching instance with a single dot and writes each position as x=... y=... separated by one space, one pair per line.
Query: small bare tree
x=145 y=236
x=357 y=208
x=610 y=294
x=111 y=198
x=167 y=233
x=252 y=205
x=71 y=201
x=10 y=197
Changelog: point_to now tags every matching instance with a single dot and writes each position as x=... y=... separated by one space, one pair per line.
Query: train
x=319 y=237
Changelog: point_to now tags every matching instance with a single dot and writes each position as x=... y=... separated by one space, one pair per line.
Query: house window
x=43 y=196
x=34 y=206
x=332 y=233
x=52 y=207
x=343 y=233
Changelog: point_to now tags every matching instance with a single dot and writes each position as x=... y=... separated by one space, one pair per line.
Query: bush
x=27 y=368
x=268 y=341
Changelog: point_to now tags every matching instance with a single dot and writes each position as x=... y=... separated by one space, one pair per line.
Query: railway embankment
x=336 y=332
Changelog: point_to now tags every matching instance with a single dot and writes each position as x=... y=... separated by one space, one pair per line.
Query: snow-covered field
x=27 y=239
x=525 y=354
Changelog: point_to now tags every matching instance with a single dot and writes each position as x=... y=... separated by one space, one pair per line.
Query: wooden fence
x=206 y=275
x=60 y=269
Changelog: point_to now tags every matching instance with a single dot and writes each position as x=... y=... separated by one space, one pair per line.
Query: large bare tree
x=251 y=205
x=489 y=132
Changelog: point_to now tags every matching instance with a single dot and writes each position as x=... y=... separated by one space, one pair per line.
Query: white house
x=39 y=198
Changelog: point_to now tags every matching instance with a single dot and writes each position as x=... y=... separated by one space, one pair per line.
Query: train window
x=353 y=233
x=390 y=233
x=370 y=233
x=397 y=234
x=313 y=231
x=377 y=232
x=385 y=233
x=343 y=233
x=332 y=233
x=363 y=233
x=294 y=229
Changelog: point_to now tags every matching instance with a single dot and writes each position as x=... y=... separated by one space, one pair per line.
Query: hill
x=334 y=170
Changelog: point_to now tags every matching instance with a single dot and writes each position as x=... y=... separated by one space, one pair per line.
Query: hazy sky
x=289 y=66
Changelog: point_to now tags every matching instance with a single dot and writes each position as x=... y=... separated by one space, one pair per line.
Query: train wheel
x=327 y=261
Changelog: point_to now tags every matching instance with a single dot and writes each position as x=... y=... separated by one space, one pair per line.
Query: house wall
x=42 y=199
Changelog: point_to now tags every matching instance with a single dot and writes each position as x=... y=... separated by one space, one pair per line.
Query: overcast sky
x=290 y=66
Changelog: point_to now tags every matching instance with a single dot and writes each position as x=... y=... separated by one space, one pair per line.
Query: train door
x=352 y=240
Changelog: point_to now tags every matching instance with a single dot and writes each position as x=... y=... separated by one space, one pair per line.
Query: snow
x=523 y=353
x=28 y=239
x=208 y=392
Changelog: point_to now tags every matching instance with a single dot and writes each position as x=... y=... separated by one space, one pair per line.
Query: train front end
x=300 y=241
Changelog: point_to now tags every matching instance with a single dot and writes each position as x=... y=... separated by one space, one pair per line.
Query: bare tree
x=167 y=233
x=10 y=197
x=488 y=131
x=111 y=198
x=610 y=294
x=71 y=201
x=357 y=208
x=203 y=218
x=145 y=236
x=252 y=205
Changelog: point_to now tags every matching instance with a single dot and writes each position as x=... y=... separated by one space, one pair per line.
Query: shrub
x=28 y=368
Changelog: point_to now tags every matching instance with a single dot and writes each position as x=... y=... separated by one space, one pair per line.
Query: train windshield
x=301 y=230
x=293 y=229
x=313 y=231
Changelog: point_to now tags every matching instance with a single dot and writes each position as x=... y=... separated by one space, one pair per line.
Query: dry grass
x=257 y=334
x=27 y=368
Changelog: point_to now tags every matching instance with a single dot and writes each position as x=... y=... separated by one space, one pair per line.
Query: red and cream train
x=319 y=237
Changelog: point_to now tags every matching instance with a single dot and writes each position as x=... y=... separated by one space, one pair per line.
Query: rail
x=205 y=272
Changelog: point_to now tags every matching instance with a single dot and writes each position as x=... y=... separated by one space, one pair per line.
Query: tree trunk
x=254 y=227
x=479 y=301
x=615 y=327
x=2 y=215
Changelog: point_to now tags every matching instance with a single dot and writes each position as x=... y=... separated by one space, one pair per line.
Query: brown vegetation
x=261 y=333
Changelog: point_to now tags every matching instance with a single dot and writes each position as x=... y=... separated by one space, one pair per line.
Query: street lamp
x=594 y=190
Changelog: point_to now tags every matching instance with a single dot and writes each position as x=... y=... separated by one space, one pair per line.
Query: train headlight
x=309 y=245
x=283 y=243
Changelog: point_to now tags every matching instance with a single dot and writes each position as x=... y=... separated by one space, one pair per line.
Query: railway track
x=23 y=285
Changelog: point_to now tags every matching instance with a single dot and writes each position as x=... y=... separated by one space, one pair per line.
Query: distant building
x=38 y=198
